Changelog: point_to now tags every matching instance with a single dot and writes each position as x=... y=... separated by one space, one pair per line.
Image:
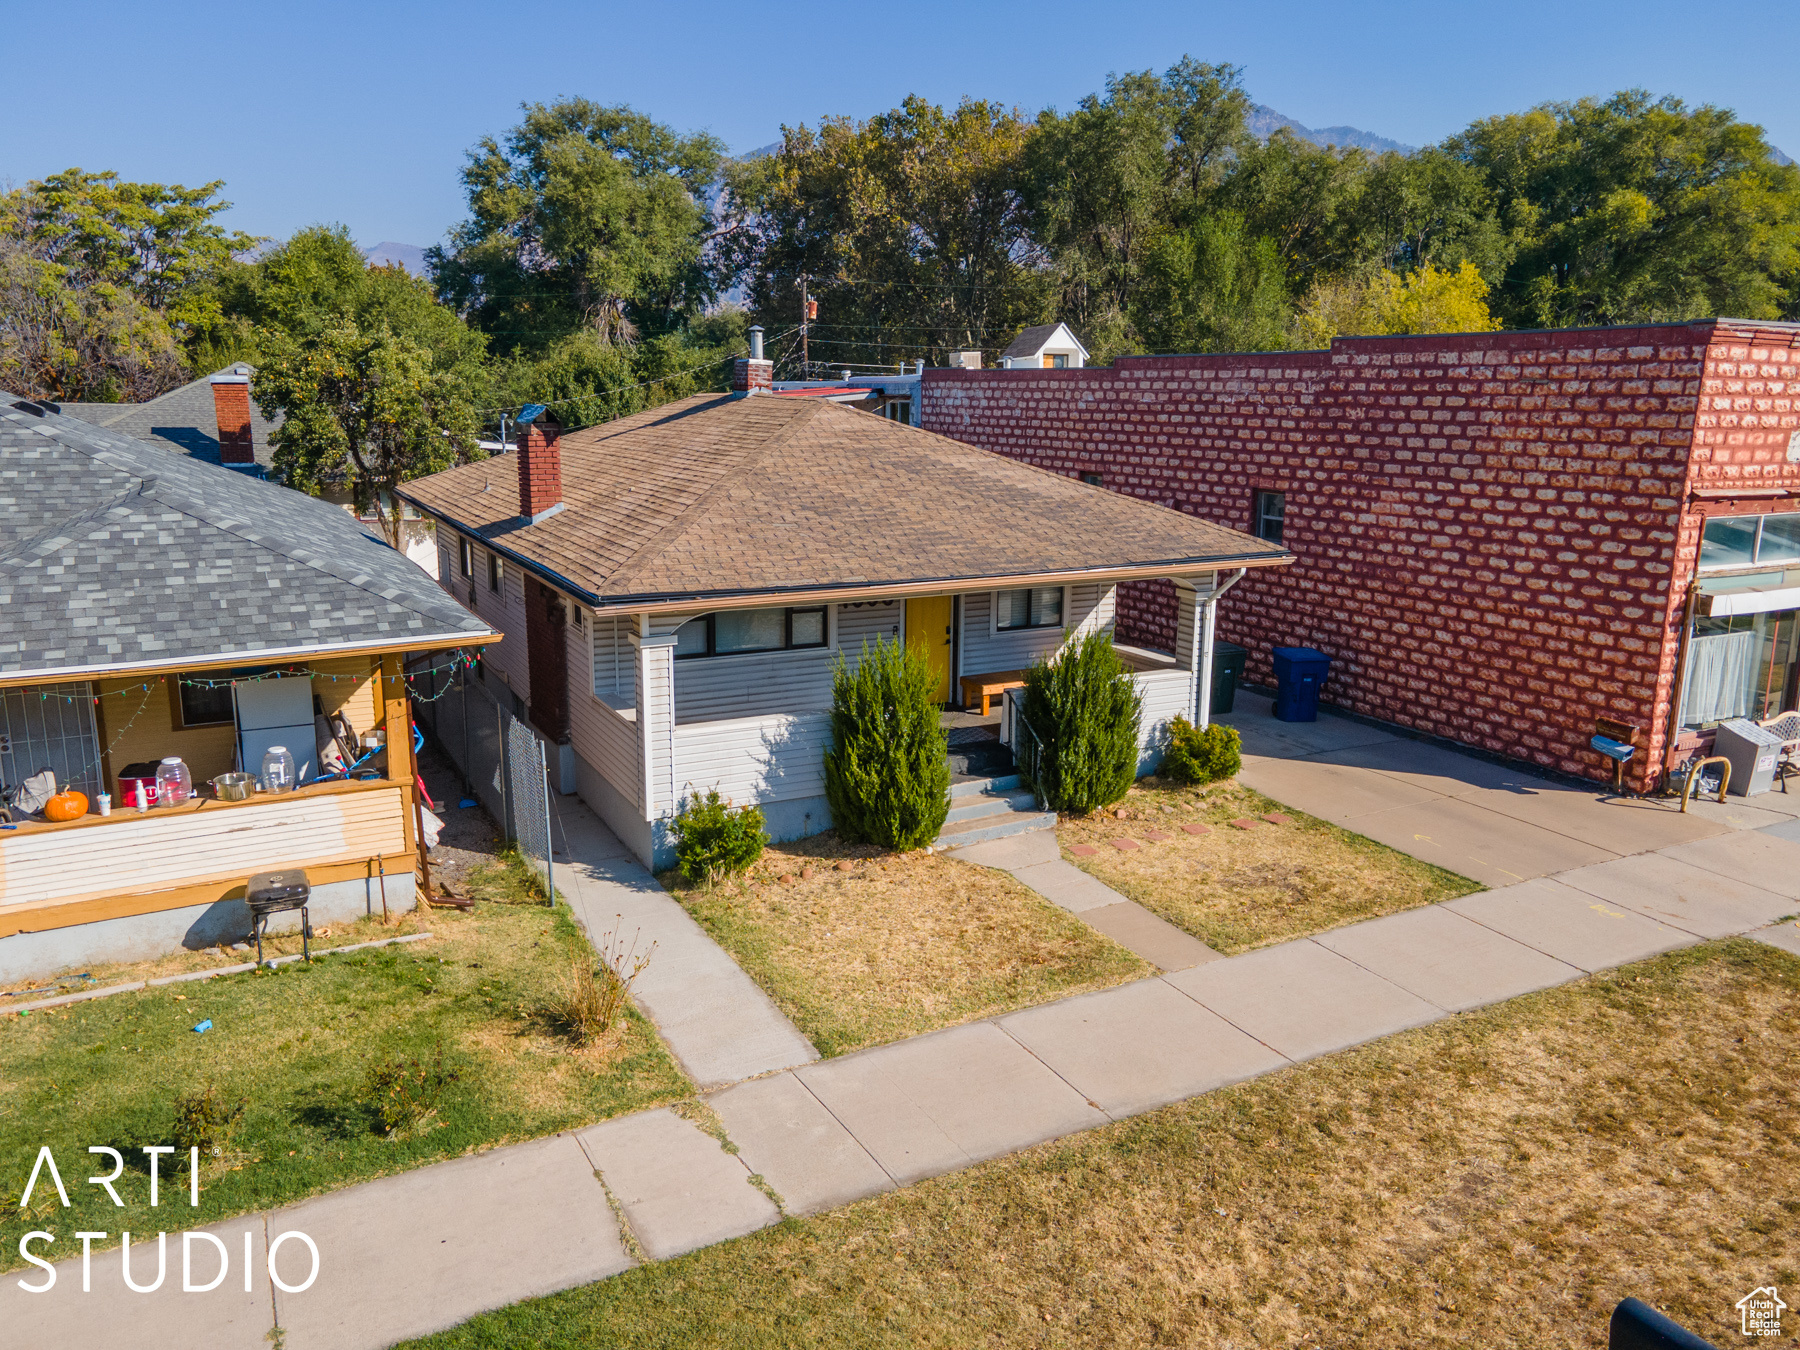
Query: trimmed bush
x=715 y=839
x=205 y=1120
x=887 y=773
x=1083 y=705
x=1201 y=754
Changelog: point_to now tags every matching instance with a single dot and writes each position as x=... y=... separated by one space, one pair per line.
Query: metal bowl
x=234 y=787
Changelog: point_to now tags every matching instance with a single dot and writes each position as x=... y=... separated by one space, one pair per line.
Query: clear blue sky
x=361 y=113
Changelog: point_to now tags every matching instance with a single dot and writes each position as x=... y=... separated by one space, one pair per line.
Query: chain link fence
x=502 y=759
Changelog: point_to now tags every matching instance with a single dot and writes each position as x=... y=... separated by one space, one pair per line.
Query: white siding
x=611 y=660
x=604 y=736
x=1167 y=694
x=754 y=759
x=768 y=684
x=985 y=652
x=656 y=718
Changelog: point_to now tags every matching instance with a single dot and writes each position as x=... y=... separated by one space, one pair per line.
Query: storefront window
x=1744 y=541
x=1746 y=665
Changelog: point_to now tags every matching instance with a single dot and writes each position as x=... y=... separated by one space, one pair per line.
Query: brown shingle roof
x=715 y=497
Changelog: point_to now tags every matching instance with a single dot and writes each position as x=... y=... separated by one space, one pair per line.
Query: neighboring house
x=677 y=586
x=1048 y=346
x=1502 y=537
x=155 y=605
x=213 y=419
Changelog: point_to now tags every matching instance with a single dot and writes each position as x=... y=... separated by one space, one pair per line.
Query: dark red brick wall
x=1490 y=528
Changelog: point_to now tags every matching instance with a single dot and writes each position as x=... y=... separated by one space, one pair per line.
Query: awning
x=1750 y=600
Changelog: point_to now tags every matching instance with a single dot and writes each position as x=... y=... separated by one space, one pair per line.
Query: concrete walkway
x=427 y=1249
x=717 y=1021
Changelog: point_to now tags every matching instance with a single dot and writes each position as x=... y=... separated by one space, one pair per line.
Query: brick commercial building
x=1501 y=536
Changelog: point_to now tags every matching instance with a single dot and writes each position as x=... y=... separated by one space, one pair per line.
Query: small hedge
x=1083 y=705
x=715 y=839
x=887 y=772
x=1201 y=754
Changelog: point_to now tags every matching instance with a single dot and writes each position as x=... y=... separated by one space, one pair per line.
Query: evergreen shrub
x=1083 y=706
x=1201 y=754
x=887 y=773
x=715 y=839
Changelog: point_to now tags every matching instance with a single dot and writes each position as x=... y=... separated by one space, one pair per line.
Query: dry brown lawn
x=893 y=945
x=1503 y=1178
x=1235 y=889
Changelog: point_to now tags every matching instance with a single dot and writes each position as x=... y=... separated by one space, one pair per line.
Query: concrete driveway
x=1493 y=823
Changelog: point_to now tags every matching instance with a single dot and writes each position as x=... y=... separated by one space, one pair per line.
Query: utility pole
x=805 y=314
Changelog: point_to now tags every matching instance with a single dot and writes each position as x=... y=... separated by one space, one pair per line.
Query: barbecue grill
x=274 y=892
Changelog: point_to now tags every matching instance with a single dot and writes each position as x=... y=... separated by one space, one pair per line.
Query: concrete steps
x=991 y=808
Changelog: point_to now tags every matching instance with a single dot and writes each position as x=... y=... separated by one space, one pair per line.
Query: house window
x=466 y=553
x=206 y=707
x=733 y=632
x=1092 y=478
x=1270 y=507
x=1029 y=607
x=1740 y=541
x=1058 y=362
x=898 y=410
x=496 y=570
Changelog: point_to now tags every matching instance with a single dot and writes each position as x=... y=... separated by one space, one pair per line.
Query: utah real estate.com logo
x=1761 y=1312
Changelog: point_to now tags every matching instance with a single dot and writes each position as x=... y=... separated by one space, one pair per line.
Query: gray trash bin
x=1752 y=751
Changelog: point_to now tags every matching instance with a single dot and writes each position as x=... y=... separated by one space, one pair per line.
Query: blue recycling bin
x=1299 y=676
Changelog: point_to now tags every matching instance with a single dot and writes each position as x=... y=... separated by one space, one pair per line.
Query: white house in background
x=1048 y=346
x=675 y=602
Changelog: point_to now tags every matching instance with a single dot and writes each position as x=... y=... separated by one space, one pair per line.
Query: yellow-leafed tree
x=1428 y=300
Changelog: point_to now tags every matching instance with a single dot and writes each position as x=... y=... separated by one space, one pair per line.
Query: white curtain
x=1721 y=678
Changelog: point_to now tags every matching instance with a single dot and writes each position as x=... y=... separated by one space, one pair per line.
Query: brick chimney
x=231 y=405
x=753 y=376
x=540 y=469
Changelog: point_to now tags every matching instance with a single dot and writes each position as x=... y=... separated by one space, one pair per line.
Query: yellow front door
x=928 y=624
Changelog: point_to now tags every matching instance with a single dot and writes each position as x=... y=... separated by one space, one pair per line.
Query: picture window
x=736 y=632
x=1028 y=607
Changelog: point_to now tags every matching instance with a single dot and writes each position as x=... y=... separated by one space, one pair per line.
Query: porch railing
x=1018 y=737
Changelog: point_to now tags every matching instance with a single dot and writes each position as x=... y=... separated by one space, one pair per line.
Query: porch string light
x=459 y=663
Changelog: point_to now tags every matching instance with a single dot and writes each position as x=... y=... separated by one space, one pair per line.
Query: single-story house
x=1045 y=346
x=677 y=586
x=156 y=606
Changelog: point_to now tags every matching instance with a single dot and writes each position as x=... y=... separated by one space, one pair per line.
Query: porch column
x=1194 y=643
x=655 y=660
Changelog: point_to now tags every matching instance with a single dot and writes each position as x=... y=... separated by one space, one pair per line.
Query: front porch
x=668 y=713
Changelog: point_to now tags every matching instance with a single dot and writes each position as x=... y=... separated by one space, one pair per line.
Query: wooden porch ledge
x=195 y=805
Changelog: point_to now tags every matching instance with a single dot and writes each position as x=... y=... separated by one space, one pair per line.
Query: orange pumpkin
x=66 y=805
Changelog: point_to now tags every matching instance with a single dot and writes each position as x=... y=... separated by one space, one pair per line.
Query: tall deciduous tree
x=1636 y=208
x=583 y=218
x=366 y=410
x=910 y=229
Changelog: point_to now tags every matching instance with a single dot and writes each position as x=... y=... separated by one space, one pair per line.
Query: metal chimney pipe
x=756 y=342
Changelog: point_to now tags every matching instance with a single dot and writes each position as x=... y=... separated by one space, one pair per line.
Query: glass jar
x=174 y=784
x=277 y=770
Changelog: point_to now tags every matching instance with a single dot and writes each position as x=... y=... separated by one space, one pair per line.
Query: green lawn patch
x=296 y=1046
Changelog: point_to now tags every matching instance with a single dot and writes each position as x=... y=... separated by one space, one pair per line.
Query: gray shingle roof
x=183 y=419
x=1030 y=341
x=116 y=554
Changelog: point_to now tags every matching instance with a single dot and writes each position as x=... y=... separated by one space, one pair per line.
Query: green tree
x=582 y=218
x=1213 y=287
x=1425 y=300
x=103 y=281
x=1083 y=707
x=910 y=229
x=1637 y=209
x=364 y=410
